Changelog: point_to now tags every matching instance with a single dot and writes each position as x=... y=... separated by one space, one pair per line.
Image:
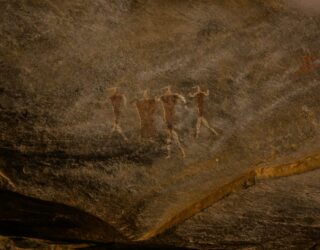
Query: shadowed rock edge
x=309 y=163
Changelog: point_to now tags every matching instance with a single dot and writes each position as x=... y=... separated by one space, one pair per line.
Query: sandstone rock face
x=144 y=161
x=274 y=214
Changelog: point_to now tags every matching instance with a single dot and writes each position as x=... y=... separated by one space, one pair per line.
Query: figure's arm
x=192 y=94
x=182 y=98
x=158 y=98
x=207 y=92
x=124 y=100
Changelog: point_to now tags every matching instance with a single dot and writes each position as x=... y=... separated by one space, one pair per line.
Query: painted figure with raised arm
x=199 y=96
x=146 y=107
x=118 y=101
x=169 y=101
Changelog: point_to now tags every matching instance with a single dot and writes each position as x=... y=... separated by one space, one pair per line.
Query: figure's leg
x=114 y=127
x=198 y=126
x=141 y=131
x=205 y=123
x=176 y=138
x=119 y=130
x=169 y=142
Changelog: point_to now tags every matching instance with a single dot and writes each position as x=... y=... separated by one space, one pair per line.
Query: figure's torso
x=169 y=103
x=146 y=109
x=200 y=103
x=117 y=103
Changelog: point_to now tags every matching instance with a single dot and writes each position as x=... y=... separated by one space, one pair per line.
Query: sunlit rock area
x=160 y=124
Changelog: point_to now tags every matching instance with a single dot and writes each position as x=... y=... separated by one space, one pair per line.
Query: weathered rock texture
x=274 y=214
x=259 y=59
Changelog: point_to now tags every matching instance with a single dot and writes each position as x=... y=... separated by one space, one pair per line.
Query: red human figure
x=146 y=109
x=200 y=95
x=308 y=63
x=169 y=101
x=118 y=101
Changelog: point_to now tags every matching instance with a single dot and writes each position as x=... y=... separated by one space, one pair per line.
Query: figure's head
x=197 y=88
x=167 y=89
x=146 y=93
x=305 y=50
x=113 y=90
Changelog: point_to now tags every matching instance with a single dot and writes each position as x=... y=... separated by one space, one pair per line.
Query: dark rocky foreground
x=71 y=171
x=278 y=214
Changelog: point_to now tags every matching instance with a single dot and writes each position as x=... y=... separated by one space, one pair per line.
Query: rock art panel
x=218 y=97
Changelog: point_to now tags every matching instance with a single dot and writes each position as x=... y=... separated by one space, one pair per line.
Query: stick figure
x=118 y=100
x=309 y=63
x=169 y=101
x=146 y=109
x=200 y=95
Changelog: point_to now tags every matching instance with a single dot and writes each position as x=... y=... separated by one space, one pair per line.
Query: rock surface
x=59 y=59
x=275 y=214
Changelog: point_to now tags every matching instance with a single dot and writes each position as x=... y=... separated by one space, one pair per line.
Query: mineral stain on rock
x=90 y=129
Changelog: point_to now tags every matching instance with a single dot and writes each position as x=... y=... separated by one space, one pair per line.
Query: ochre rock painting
x=199 y=96
x=146 y=107
x=169 y=101
x=223 y=96
x=118 y=101
x=309 y=63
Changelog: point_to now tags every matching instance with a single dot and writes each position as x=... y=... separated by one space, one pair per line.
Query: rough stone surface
x=275 y=214
x=259 y=60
